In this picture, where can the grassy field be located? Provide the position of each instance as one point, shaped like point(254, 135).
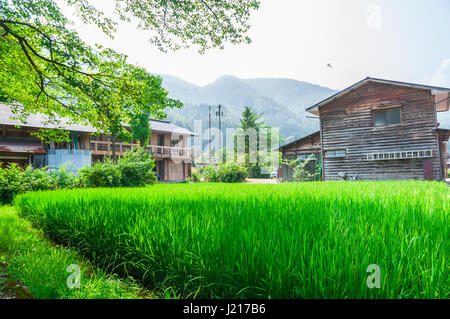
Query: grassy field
point(308, 240)
point(27, 256)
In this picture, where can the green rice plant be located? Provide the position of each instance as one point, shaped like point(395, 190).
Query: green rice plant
point(296, 240)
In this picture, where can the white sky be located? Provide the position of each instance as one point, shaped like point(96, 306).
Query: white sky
point(406, 41)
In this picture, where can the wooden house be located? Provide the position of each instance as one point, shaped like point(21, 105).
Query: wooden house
point(303, 148)
point(383, 130)
point(169, 146)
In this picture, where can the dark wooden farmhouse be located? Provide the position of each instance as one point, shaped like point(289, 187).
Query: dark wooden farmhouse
point(383, 130)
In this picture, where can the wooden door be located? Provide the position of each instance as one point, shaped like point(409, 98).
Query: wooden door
point(428, 173)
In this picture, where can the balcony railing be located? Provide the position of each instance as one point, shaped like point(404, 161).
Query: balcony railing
point(105, 148)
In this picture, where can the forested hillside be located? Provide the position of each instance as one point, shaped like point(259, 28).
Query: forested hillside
point(283, 102)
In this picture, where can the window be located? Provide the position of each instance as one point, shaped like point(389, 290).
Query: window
point(335, 154)
point(176, 142)
point(397, 155)
point(387, 117)
point(305, 156)
point(160, 139)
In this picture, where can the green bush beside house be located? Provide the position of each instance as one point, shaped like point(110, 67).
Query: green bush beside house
point(134, 169)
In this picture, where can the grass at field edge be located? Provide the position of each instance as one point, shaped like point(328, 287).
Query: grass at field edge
point(42, 266)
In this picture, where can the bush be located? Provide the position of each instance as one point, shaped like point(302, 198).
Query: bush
point(10, 183)
point(137, 168)
point(301, 173)
point(225, 173)
point(15, 180)
point(101, 175)
point(134, 169)
point(210, 174)
point(195, 176)
point(232, 173)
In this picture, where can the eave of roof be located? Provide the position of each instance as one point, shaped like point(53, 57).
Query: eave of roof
point(299, 140)
point(443, 130)
point(314, 109)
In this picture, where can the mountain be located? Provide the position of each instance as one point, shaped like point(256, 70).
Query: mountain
point(282, 102)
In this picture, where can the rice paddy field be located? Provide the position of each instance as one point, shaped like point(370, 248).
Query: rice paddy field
point(299, 240)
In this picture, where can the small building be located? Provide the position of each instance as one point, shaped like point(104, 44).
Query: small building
point(383, 130)
point(169, 146)
point(303, 148)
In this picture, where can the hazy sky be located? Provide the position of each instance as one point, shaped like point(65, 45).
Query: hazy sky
point(404, 40)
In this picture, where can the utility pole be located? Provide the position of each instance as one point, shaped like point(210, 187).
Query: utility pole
point(209, 131)
point(219, 113)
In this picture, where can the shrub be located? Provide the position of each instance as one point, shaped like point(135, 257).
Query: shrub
point(134, 169)
point(195, 176)
point(137, 168)
point(300, 169)
point(232, 173)
point(10, 183)
point(15, 180)
point(101, 175)
point(225, 173)
point(210, 174)
point(64, 178)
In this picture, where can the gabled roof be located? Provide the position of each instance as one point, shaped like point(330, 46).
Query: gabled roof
point(434, 89)
point(166, 126)
point(299, 140)
point(38, 121)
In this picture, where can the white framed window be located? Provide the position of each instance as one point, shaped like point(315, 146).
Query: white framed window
point(399, 155)
point(335, 154)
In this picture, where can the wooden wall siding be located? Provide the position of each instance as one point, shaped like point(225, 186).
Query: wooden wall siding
point(347, 123)
point(306, 145)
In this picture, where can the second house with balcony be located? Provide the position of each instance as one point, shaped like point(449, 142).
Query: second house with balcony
point(169, 146)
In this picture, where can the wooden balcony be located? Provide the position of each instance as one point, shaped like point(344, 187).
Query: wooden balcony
point(105, 148)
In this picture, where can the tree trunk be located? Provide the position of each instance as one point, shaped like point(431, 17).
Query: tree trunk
point(114, 150)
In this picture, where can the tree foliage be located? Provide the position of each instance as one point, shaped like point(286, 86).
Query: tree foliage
point(46, 67)
point(300, 170)
point(252, 121)
point(140, 128)
point(175, 24)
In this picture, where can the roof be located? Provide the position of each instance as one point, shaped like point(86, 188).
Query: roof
point(299, 140)
point(435, 89)
point(444, 131)
point(166, 126)
point(38, 121)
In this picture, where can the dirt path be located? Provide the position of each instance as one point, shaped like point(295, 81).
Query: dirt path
point(261, 181)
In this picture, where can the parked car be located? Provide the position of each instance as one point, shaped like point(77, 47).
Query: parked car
point(274, 174)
